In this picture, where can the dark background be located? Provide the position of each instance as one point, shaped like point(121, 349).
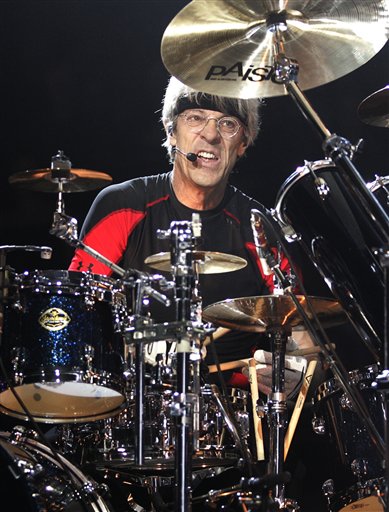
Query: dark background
point(87, 77)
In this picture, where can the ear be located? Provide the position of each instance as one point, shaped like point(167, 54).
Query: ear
point(170, 135)
point(242, 149)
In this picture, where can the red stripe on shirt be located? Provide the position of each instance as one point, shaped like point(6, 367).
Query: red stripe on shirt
point(116, 226)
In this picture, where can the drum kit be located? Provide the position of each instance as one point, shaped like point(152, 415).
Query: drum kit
point(73, 343)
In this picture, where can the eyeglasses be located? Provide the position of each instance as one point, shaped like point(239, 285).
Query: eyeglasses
point(227, 126)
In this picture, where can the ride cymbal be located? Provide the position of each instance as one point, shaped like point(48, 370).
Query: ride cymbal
point(227, 47)
point(206, 262)
point(74, 180)
point(374, 109)
point(256, 314)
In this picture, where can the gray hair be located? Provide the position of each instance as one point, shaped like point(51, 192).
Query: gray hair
point(247, 110)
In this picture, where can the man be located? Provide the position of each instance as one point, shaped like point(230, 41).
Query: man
point(205, 136)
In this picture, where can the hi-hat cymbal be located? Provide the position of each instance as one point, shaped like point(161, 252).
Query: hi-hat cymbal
point(206, 262)
point(374, 109)
point(256, 314)
point(76, 180)
point(226, 47)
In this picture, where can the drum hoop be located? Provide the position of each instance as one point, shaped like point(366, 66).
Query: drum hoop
point(299, 173)
point(331, 386)
point(73, 281)
point(78, 478)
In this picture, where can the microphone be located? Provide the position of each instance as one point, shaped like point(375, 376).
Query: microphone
point(261, 242)
point(192, 157)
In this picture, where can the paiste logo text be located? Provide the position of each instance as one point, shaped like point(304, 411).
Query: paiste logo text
point(237, 72)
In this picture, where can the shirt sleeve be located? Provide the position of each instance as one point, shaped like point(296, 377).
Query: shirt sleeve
point(107, 227)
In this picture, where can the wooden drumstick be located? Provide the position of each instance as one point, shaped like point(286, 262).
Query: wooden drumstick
point(299, 405)
point(229, 365)
point(220, 331)
point(254, 400)
point(309, 350)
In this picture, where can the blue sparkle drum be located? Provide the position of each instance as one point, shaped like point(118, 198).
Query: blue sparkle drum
point(62, 348)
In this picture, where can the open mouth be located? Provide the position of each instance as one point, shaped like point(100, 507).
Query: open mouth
point(205, 155)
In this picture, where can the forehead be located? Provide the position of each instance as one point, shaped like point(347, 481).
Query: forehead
point(206, 112)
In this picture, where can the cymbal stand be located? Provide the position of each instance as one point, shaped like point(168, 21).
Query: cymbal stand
point(285, 286)
point(275, 407)
point(183, 238)
point(341, 152)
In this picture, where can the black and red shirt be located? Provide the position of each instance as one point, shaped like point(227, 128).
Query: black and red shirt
point(123, 223)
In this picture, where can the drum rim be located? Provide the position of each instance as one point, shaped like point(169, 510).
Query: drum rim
point(71, 282)
point(331, 386)
point(290, 181)
point(29, 446)
point(71, 275)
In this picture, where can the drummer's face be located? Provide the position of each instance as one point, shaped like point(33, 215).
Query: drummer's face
point(216, 153)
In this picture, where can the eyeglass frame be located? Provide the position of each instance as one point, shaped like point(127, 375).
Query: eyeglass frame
point(208, 118)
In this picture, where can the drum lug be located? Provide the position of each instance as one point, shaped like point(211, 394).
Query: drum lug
point(318, 425)
point(89, 353)
point(18, 359)
point(360, 467)
point(345, 403)
point(328, 488)
point(89, 300)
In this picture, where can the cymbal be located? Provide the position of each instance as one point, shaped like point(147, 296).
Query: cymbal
point(42, 180)
point(256, 314)
point(374, 109)
point(226, 48)
point(206, 262)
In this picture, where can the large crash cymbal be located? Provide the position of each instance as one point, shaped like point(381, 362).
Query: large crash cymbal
point(206, 262)
point(75, 180)
point(225, 47)
point(374, 109)
point(256, 314)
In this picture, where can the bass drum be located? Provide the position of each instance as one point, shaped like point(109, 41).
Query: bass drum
point(333, 228)
point(35, 481)
point(62, 347)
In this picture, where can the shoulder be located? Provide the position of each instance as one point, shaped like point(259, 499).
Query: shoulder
point(143, 186)
point(243, 202)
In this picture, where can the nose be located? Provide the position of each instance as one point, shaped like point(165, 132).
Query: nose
point(210, 130)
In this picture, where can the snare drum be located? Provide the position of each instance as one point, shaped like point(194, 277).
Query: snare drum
point(62, 347)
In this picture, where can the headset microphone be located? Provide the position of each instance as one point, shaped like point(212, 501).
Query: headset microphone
point(192, 157)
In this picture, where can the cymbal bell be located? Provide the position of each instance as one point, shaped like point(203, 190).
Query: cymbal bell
point(256, 314)
point(227, 47)
point(374, 109)
point(75, 180)
point(206, 262)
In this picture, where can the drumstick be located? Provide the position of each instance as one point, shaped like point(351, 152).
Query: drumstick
point(299, 405)
point(229, 365)
point(256, 418)
point(220, 331)
point(308, 351)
